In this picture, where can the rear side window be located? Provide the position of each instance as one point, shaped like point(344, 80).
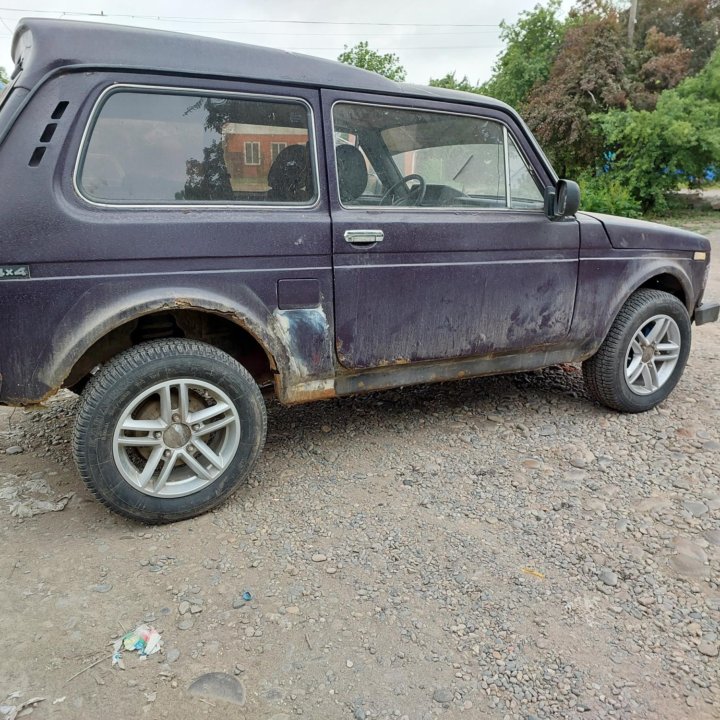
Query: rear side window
point(163, 147)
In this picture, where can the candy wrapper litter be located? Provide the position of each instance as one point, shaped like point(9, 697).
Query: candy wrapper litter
point(144, 638)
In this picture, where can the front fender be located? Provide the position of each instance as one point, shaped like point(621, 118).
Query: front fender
point(606, 283)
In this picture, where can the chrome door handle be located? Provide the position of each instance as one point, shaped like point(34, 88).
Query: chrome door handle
point(364, 237)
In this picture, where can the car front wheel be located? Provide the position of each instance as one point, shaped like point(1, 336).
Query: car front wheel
point(644, 354)
point(168, 430)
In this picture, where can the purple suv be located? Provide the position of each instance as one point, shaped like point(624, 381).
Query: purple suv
point(188, 221)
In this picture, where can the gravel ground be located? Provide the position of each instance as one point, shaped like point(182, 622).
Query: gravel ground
point(495, 548)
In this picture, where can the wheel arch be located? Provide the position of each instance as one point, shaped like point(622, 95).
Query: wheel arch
point(97, 328)
point(670, 279)
point(674, 284)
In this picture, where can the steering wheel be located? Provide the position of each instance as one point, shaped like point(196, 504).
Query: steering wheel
point(414, 196)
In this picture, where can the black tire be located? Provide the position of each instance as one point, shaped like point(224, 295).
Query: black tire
point(105, 402)
point(604, 373)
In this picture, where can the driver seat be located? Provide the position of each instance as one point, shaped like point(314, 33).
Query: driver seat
point(352, 172)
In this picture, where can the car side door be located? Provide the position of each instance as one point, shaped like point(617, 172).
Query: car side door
point(472, 268)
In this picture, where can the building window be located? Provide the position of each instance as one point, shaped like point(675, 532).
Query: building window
point(275, 149)
point(252, 153)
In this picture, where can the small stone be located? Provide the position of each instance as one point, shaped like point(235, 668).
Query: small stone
point(326, 428)
point(292, 610)
point(195, 609)
point(14, 450)
point(684, 546)
point(173, 655)
point(186, 623)
point(687, 566)
point(646, 600)
point(694, 629)
point(682, 483)
point(102, 588)
point(608, 577)
point(652, 504)
point(713, 537)
point(349, 663)
point(319, 557)
point(218, 686)
point(443, 695)
point(249, 631)
point(331, 570)
point(709, 649)
point(531, 464)
point(695, 508)
point(579, 463)
point(238, 602)
point(183, 607)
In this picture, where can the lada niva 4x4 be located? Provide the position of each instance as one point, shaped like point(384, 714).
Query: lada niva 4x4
point(188, 222)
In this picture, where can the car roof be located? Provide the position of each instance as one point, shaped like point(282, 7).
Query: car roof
point(42, 45)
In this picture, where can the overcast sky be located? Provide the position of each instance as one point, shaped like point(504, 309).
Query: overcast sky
point(430, 37)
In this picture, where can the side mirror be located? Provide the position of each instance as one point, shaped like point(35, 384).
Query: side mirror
point(563, 200)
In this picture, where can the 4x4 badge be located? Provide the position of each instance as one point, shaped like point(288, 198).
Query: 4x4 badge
point(14, 271)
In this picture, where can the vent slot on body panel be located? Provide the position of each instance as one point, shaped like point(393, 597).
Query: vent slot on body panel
point(59, 110)
point(47, 133)
point(37, 156)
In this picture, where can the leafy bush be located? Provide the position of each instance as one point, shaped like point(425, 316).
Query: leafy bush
point(671, 146)
point(606, 193)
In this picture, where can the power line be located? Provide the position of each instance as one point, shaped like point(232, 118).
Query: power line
point(182, 18)
point(363, 35)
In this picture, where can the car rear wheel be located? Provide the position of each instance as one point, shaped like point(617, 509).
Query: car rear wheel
point(644, 354)
point(168, 430)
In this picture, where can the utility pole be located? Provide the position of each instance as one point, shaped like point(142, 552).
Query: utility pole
point(631, 21)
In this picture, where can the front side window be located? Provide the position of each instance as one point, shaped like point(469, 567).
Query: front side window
point(152, 147)
point(398, 156)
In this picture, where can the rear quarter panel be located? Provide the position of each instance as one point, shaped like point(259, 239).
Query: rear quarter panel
point(91, 266)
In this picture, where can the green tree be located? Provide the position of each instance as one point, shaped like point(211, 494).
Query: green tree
point(452, 83)
point(588, 76)
point(531, 45)
point(676, 143)
point(3, 76)
point(362, 56)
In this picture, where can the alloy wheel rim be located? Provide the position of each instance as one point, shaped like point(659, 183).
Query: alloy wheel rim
point(176, 437)
point(652, 355)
